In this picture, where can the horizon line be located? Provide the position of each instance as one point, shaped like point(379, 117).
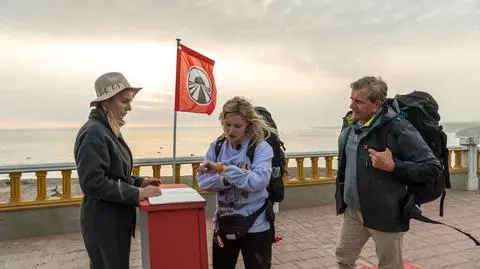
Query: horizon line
point(77, 128)
point(183, 126)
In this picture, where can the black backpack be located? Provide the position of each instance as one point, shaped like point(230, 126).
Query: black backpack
point(421, 110)
point(275, 187)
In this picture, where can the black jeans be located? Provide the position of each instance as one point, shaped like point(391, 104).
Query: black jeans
point(256, 251)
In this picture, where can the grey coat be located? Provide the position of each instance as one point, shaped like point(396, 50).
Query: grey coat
point(108, 216)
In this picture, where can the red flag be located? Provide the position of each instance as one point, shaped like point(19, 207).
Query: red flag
point(195, 89)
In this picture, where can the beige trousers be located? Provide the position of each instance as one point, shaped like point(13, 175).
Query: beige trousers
point(353, 237)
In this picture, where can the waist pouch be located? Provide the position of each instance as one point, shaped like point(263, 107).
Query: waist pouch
point(236, 226)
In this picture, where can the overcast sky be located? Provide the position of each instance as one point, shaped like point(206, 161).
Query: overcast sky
point(295, 57)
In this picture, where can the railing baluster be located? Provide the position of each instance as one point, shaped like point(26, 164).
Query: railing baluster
point(177, 173)
point(300, 175)
point(449, 159)
point(286, 176)
point(156, 170)
point(314, 167)
point(41, 185)
point(67, 184)
point(329, 166)
point(195, 166)
point(458, 159)
point(478, 161)
point(136, 170)
point(15, 194)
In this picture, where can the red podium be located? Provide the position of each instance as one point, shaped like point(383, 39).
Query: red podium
point(173, 229)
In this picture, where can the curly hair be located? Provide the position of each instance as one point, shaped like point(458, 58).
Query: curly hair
point(257, 128)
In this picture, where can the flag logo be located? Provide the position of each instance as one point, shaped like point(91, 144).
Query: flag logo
point(195, 90)
point(199, 86)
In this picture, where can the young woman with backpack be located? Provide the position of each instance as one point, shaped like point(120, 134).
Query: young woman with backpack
point(241, 219)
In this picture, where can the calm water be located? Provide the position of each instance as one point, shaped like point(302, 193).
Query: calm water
point(53, 146)
point(49, 146)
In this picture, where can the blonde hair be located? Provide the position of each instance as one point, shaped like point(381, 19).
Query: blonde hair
point(114, 124)
point(112, 121)
point(256, 128)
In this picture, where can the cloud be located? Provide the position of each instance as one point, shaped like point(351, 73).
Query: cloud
point(296, 56)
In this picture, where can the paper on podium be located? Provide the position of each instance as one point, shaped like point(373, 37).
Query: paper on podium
point(175, 196)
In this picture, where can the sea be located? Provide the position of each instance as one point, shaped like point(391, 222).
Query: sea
point(29, 146)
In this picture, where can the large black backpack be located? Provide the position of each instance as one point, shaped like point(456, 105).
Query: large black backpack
point(421, 110)
point(275, 187)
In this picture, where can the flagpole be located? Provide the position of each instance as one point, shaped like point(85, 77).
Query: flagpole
point(175, 129)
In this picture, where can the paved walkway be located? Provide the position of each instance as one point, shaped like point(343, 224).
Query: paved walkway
point(309, 241)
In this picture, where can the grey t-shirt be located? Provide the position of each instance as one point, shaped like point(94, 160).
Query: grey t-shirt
point(350, 194)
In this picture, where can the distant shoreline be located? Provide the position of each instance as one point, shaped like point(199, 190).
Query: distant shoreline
point(126, 128)
point(450, 124)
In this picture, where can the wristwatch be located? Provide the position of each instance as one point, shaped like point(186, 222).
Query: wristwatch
point(219, 167)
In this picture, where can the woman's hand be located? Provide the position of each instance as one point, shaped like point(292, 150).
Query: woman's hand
point(151, 181)
point(149, 191)
point(207, 167)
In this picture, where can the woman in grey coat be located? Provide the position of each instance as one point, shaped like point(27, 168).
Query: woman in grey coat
point(104, 165)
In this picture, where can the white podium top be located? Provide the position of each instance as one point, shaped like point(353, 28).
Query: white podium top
point(176, 196)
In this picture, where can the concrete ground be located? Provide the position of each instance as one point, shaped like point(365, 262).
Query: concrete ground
point(309, 237)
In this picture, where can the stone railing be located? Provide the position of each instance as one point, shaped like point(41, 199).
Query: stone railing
point(299, 173)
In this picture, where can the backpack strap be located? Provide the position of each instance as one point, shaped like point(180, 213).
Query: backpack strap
point(446, 172)
point(252, 218)
point(392, 132)
point(251, 151)
point(445, 163)
point(222, 139)
point(428, 220)
point(442, 202)
point(282, 145)
point(413, 212)
point(218, 145)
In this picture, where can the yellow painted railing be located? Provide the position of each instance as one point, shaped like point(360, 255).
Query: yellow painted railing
point(299, 174)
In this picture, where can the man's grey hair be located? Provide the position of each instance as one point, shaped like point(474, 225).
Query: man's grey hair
point(377, 86)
